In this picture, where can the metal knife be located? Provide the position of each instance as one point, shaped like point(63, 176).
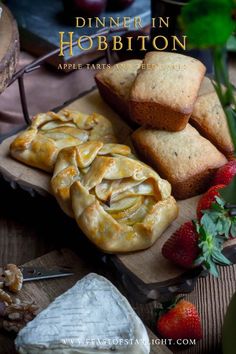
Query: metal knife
point(41, 273)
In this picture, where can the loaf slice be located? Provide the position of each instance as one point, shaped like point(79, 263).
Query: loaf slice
point(115, 83)
point(186, 159)
point(165, 90)
point(210, 120)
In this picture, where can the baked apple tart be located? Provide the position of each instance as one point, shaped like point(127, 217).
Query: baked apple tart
point(39, 144)
point(120, 203)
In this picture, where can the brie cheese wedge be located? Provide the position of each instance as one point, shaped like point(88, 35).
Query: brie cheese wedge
point(92, 317)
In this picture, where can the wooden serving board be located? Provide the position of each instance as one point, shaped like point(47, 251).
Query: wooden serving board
point(147, 275)
point(44, 292)
point(9, 47)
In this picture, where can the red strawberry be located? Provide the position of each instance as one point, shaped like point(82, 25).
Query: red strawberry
point(207, 199)
point(225, 174)
point(181, 321)
point(182, 246)
point(192, 245)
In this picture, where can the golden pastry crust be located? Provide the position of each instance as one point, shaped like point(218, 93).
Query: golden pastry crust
point(120, 203)
point(39, 144)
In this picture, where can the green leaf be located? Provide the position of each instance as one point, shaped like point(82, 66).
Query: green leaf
point(210, 246)
point(215, 206)
point(214, 214)
point(164, 307)
point(217, 221)
point(231, 119)
point(220, 201)
point(219, 258)
point(218, 90)
point(220, 226)
point(208, 223)
point(211, 267)
point(226, 225)
point(208, 23)
point(229, 193)
point(233, 229)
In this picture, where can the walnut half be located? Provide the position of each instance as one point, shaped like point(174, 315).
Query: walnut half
point(13, 278)
point(17, 315)
point(5, 297)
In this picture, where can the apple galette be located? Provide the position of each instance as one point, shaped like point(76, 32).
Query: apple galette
point(120, 203)
point(39, 144)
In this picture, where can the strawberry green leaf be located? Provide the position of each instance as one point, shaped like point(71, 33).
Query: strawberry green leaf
point(209, 223)
point(216, 207)
point(166, 306)
point(211, 267)
point(213, 213)
point(217, 220)
point(219, 201)
point(210, 246)
point(220, 226)
point(219, 258)
point(226, 225)
point(233, 229)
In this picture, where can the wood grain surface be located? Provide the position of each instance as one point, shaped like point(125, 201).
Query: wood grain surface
point(9, 47)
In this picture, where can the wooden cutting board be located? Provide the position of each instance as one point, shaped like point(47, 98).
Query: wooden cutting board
point(44, 292)
point(9, 46)
point(147, 275)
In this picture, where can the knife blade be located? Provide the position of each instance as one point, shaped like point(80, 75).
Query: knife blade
point(41, 273)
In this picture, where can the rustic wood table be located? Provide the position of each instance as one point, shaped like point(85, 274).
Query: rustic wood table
point(29, 228)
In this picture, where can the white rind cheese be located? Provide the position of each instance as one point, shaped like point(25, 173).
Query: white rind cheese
point(92, 317)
